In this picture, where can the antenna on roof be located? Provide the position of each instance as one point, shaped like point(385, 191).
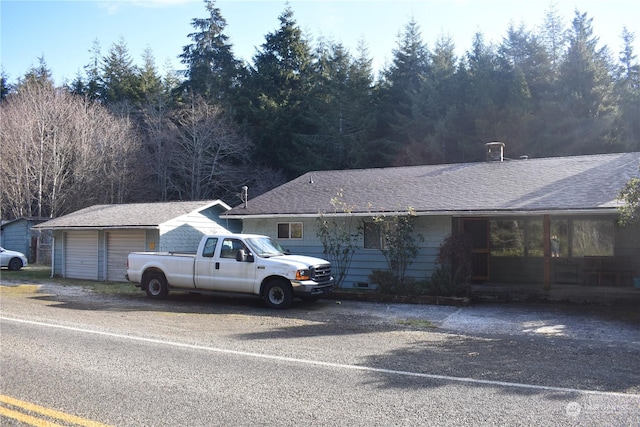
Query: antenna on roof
point(244, 196)
point(310, 179)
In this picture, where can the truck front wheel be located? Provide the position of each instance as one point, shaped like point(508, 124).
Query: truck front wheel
point(155, 284)
point(278, 294)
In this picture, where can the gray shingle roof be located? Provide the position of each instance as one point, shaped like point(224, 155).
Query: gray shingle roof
point(127, 215)
point(556, 183)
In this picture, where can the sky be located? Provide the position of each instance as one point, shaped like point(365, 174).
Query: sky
point(64, 32)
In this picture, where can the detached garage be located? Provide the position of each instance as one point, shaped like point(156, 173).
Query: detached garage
point(93, 243)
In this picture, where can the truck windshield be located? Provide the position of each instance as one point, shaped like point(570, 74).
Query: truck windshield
point(264, 247)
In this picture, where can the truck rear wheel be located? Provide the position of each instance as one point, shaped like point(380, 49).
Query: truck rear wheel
point(278, 294)
point(155, 284)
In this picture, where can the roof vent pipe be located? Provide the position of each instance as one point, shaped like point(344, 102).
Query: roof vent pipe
point(245, 195)
point(495, 151)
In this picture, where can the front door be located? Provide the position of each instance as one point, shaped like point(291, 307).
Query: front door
point(478, 230)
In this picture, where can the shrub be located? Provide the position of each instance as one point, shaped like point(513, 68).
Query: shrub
point(454, 269)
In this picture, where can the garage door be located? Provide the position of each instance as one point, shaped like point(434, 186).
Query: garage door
point(81, 255)
point(119, 245)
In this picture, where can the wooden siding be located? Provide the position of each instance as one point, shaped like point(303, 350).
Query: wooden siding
point(183, 234)
point(16, 237)
point(434, 229)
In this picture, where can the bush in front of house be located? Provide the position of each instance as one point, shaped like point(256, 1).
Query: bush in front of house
point(453, 270)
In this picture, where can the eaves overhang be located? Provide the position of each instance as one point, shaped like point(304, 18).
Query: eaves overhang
point(99, 228)
point(454, 213)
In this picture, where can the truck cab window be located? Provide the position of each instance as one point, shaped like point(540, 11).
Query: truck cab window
point(209, 247)
point(230, 247)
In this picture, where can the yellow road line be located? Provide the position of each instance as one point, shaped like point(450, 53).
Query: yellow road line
point(52, 413)
point(27, 419)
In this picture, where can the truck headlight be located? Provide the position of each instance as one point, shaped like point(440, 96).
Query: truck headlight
point(303, 275)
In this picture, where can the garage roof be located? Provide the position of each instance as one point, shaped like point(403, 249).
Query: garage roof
point(132, 215)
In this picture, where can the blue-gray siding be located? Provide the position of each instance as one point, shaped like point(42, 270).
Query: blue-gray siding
point(434, 230)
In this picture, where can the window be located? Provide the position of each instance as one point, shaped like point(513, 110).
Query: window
point(559, 245)
point(517, 238)
point(230, 247)
point(568, 238)
point(592, 237)
point(507, 238)
point(375, 234)
point(290, 230)
point(209, 247)
point(372, 236)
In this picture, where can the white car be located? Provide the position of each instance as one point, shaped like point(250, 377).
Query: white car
point(12, 260)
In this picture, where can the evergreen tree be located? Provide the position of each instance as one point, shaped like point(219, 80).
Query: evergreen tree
point(586, 88)
point(405, 85)
point(212, 70)
point(485, 96)
point(340, 107)
point(628, 95)
point(39, 75)
point(554, 38)
point(445, 98)
point(276, 98)
point(120, 79)
point(150, 81)
point(4, 86)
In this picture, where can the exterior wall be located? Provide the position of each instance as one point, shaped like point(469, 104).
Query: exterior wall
point(434, 230)
point(57, 256)
point(17, 236)
point(183, 234)
point(628, 244)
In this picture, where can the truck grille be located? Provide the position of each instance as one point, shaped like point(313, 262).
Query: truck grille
point(321, 273)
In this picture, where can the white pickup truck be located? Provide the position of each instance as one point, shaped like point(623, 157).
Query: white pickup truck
point(238, 263)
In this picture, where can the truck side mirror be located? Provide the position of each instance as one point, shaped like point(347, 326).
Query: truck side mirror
point(242, 256)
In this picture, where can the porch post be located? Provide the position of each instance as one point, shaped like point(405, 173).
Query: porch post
point(546, 238)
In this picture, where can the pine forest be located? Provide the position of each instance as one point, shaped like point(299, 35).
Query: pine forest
point(123, 132)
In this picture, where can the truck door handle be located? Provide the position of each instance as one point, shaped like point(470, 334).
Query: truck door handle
point(217, 266)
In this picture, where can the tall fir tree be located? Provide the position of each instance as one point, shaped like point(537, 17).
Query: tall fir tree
point(120, 81)
point(628, 95)
point(212, 70)
point(405, 85)
point(276, 98)
point(586, 87)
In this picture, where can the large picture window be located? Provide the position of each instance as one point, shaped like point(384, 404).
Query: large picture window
point(517, 238)
point(568, 237)
point(290, 230)
point(592, 237)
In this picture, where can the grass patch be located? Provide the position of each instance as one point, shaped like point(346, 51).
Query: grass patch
point(111, 288)
point(31, 273)
point(19, 290)
point(418, 323)
point(38, 274)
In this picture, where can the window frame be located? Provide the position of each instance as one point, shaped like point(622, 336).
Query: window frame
point(290, 230)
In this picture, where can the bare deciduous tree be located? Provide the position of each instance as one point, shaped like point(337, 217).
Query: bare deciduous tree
point(62, 152)
point(211, 160)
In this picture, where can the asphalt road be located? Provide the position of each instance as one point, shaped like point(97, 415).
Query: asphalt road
point(209, 361)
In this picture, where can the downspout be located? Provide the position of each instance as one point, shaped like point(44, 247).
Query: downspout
point(53, 257)
point(546, 238)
